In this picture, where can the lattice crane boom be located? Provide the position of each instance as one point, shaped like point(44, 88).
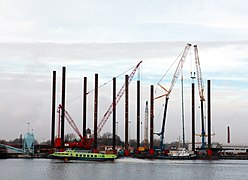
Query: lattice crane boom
point(199, 74)
point(118, 97)
point(176, 73)
point(71, 122)
point(146, 126)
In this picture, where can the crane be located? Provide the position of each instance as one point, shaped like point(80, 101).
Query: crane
point(84, 142)
point(71, 122)
point(118, 97)
point(87, 142)
point(201, 93)
point(146, 126)
point(167, 92)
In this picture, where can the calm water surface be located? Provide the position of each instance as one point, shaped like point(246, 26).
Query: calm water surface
point(126, 168)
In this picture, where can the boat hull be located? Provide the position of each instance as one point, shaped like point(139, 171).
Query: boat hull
point(175, 157)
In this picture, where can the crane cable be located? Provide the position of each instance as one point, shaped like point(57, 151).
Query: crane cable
point(110, 80)
point(159, 115)
point(167, 71)
point(76, 97)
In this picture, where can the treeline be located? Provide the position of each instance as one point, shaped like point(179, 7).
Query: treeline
point(105, 140)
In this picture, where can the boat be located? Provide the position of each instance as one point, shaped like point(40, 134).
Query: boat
point(181, 153)
point(177, 153)
point(83, 156)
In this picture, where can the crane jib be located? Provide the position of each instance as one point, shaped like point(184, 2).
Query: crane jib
point(176, 73)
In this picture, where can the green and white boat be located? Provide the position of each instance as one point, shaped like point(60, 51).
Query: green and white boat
point(83, 156)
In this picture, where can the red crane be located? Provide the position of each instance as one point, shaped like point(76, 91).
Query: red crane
point(146, 126)
point(118, 97)
point(84, 142)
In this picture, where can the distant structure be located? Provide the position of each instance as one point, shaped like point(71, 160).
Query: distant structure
point(228, 134)
point(28, 143)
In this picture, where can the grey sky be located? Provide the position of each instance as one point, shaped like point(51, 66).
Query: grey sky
point(118, 21)
point(37, 37)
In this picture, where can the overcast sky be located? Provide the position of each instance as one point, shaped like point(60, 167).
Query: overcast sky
point(110, 37)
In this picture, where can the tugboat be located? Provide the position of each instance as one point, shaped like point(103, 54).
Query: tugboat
point(83, 156)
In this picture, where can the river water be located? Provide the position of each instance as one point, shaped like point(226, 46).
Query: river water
point(125, 168)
